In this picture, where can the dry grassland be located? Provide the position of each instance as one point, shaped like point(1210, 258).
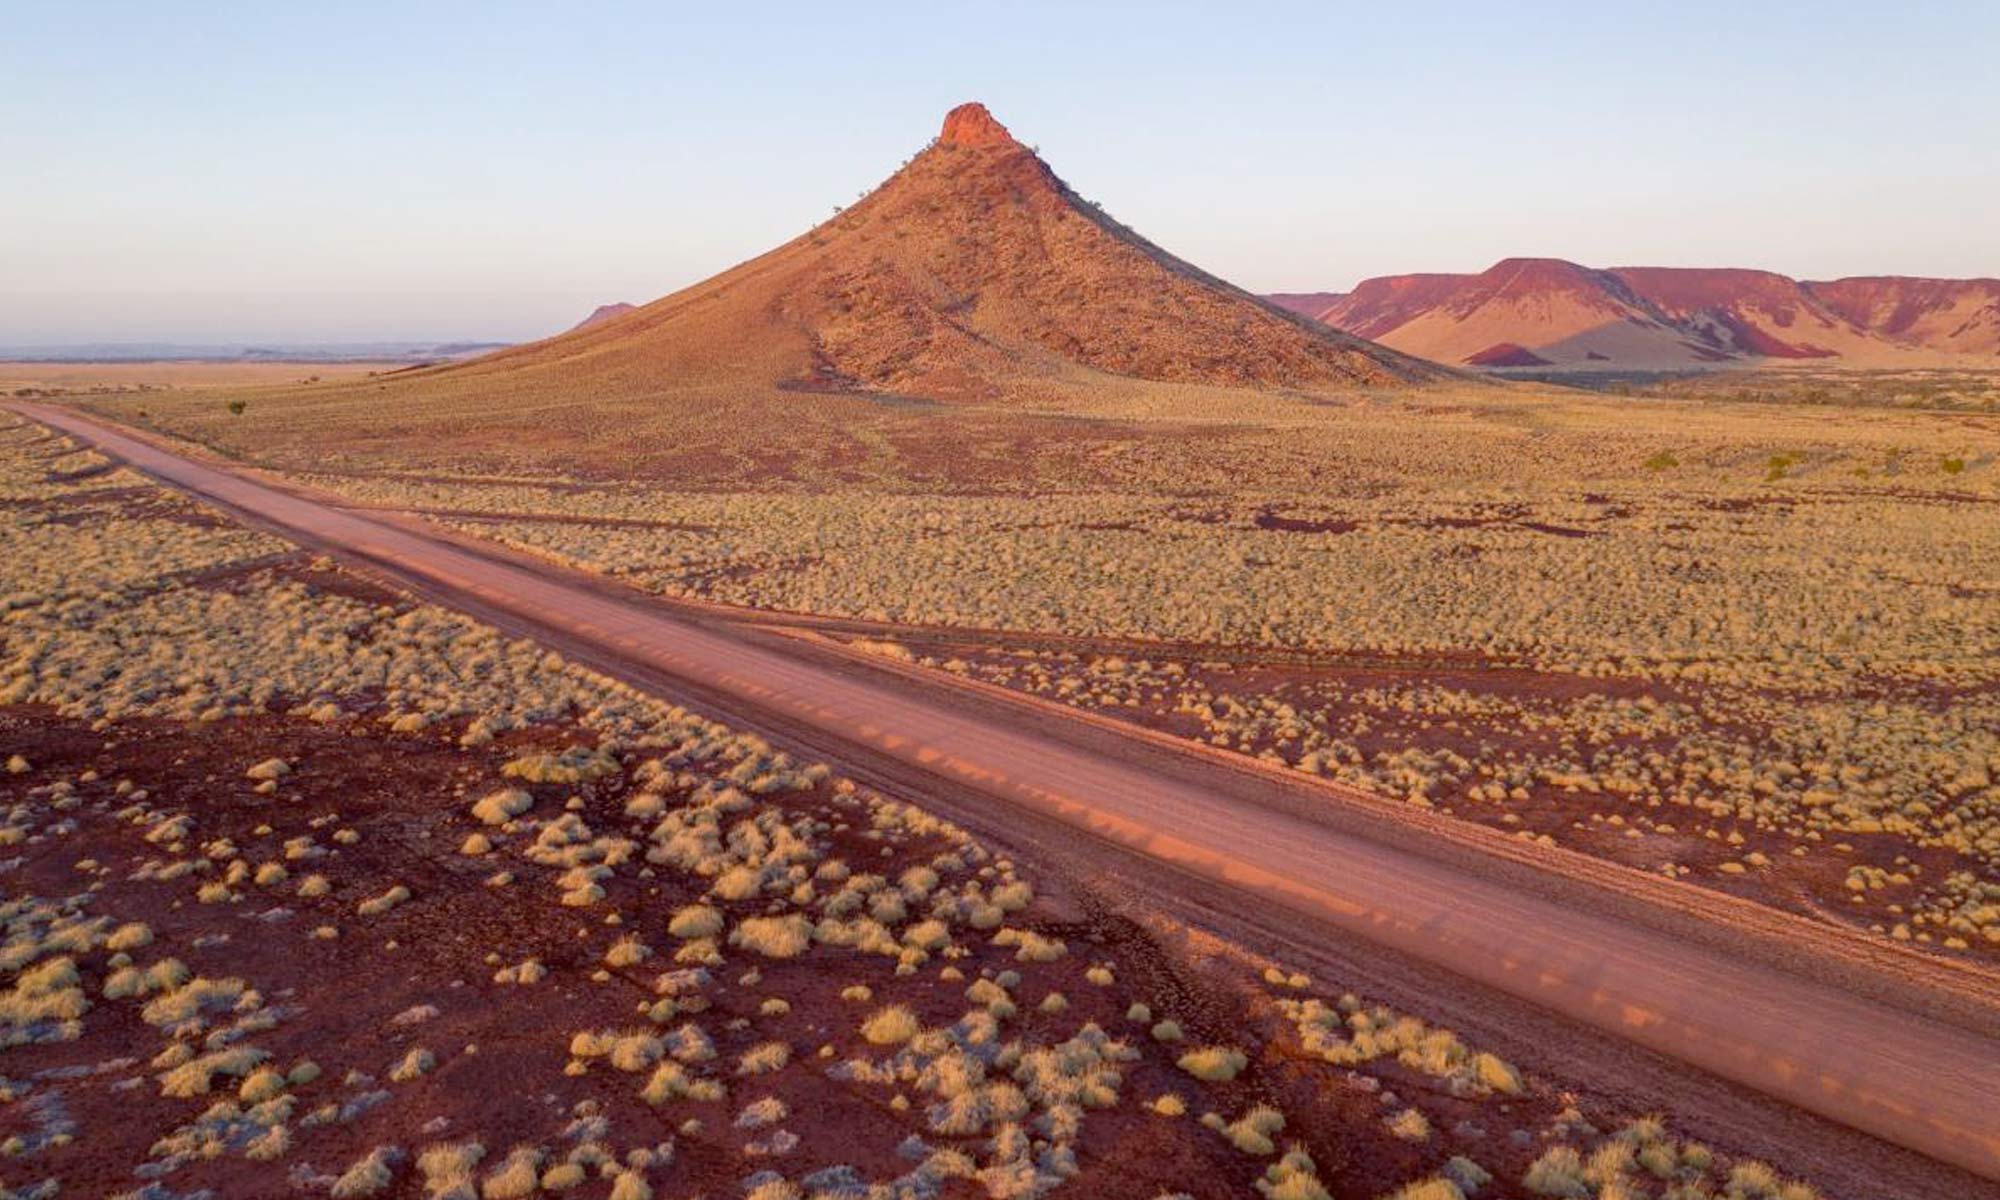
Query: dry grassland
point(69, 378)
point(1753, 646)
point(309, 889)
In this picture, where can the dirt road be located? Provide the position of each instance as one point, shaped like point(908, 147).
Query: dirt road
point(1926, 1084)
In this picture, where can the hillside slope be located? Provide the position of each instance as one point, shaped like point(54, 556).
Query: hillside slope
point(1961, 316)
point(971, 268)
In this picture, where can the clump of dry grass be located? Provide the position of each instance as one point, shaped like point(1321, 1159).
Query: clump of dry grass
point(1031, 946)
point(1250, 1133)
point(576, 764)
point(377, 905)
point(773, 937)
point(1377, 1032)
point(890, 1026)
point(1214, 1064)
point(368, 1175)
point(498, 808)
point(417, 1063)
point(1296, 1177)
point(447, 1168)
point(696, 921)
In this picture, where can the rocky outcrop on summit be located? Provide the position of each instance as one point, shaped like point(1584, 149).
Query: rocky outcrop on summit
point(972, 125)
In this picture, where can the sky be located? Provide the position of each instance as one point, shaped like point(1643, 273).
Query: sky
point(222, 172)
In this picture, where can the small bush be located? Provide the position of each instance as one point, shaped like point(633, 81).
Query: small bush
point(384, 902)
point(627, 952)
point(562, 1177)
point(262, 1084)
point(1031, 946)
point(1437, 1187)
point(630, 1185)
point(417, 1063)
point(369, 1175)
point(891, 1026)
point(764, 1058)
point(739, 882)
point(671, 1081)
point(1294, 1177)
point(517, 1177)
point(500, 807)
point(695, 921)
point(196, 1076)
point(773, 937)
point(129, 936)
point(577, 764)
point(447, 1168)
point(1250, 1133)
point(528, 970)
point(1410, 1125)
point(1558, 1172)
point(1496, 1073)
point(269, 770)
point(1214, 1064)
point(1468, 1175)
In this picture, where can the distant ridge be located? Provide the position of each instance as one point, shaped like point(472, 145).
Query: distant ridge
point(1306, 304)
point(301, 352)
point(971, 273)
point(603, 313)
point(1551, 313)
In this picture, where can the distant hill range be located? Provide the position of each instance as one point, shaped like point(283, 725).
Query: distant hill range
point(299, 352)
point(1548, 314)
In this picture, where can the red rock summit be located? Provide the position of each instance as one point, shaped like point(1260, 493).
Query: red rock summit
point(971, 125)
point(973, 273)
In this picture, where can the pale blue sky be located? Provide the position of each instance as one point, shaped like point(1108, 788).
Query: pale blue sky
point(425, 170)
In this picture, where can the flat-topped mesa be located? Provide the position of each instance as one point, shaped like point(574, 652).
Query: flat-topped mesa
point(971, 125)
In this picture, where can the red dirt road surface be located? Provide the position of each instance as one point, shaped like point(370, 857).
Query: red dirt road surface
point(1927, 1084)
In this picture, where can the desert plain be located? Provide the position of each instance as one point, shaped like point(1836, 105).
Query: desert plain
point(318, 883)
